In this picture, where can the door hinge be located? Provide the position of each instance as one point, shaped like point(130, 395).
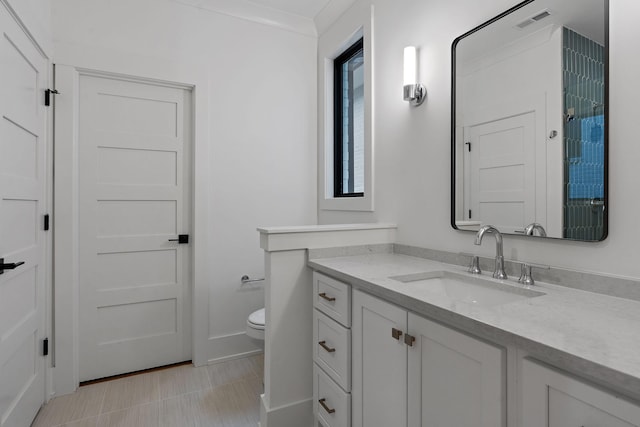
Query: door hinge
point(45, 347)
point(469, 213)
point(468, 144)
point(47, 96)
point(46, 222)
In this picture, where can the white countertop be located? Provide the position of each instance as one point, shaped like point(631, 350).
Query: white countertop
point(595, 335)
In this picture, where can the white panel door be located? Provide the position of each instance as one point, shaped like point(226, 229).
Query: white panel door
point(379, 364)
point(23, 77)
point(454, 379)
point(502, 172)
point(134, 192)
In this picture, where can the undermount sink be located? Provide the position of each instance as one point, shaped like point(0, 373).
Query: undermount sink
point(465, 288)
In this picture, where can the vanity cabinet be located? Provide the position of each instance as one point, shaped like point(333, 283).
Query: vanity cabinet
point(554, 399)
point(331, 352)
point(408, 370)
point(379, 365)
point(379, 382)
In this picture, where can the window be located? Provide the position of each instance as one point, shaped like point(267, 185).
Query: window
point(349, 135)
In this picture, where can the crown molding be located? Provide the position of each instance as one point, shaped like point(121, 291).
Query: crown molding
point(246, 10)
point(330, 14)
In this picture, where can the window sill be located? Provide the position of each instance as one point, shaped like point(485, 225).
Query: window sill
point(362, 204)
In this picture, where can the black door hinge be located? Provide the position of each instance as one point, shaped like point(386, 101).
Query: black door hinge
point(46, 222)
point(45, 347)
point(468, 144)
point(469, 213)
point(47, 96)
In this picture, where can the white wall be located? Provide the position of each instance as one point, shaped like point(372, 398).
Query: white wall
point(262, 108)
point(412, 146)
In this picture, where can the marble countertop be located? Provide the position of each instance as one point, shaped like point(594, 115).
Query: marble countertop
point(595, 336)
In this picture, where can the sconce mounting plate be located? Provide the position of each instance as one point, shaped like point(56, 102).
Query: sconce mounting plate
point(415, 94)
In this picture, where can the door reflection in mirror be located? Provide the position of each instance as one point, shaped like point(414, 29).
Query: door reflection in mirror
point(529, 130)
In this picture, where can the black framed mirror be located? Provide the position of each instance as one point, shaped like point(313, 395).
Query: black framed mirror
point(529, 121)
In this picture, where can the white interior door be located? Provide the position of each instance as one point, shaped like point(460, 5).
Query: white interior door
point(502, 172)
point(23, 75)
point(134, 192)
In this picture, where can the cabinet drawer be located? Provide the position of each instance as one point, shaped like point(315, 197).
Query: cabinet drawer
point(566, 401)
point(331, 404)
point(333, 298)
point(332, 349)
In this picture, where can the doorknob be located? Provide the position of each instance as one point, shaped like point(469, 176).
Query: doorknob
point(182, 239)
point(9, 266)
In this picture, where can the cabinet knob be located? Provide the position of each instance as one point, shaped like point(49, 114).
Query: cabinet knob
point(324, 345)
point(323, 295)
point(324, 405)
point(409, 340)
point(396, 333)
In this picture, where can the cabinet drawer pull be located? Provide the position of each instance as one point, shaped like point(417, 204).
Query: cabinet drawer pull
point(409, 340)
point(326, 408)
point(323, 344)
point(396, 333)
point(323, 295)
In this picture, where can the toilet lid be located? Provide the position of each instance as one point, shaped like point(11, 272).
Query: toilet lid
point(257, 317)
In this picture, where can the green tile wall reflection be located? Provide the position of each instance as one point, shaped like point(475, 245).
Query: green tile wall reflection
point(583, 75)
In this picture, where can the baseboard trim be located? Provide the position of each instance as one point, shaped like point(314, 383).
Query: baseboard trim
point(229, 347)
point(234, 357)
point(296, 414)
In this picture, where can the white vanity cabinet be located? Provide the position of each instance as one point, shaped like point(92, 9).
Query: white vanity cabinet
point(379, 364)
point(410, 371)
point(331, 352)
point(554, 399)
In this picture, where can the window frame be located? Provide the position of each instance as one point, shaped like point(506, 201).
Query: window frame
point(356, 23)
point(338, 110)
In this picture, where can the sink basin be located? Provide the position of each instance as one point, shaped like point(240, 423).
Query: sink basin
point(465, 288)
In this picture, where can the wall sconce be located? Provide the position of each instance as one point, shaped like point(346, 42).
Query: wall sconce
point(414, 92)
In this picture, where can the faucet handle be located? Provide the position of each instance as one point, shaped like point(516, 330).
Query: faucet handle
point(525, 272)
point(474, 265)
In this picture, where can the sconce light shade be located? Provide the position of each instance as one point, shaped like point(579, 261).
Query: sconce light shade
point(414, 92)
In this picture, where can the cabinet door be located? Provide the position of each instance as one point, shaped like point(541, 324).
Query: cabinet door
point(454, 379)
point(379, 365)
point(552, 399)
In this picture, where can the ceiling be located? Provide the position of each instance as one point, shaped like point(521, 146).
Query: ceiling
point(306, 8)
point(586, 17)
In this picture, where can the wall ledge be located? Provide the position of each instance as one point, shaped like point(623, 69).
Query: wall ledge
point(274, 239)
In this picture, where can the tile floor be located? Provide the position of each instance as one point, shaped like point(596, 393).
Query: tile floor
point(221, 395)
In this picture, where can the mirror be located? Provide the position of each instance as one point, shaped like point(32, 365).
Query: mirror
point(529, 121)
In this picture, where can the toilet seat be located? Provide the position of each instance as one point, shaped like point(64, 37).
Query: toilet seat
point(255, 324)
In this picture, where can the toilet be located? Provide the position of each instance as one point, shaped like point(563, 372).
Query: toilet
point(255, 324)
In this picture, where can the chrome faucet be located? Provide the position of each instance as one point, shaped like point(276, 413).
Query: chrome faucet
point(531, 228)
point(498, 272)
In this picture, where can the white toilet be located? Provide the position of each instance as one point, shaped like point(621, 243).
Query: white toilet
point(255, 324)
